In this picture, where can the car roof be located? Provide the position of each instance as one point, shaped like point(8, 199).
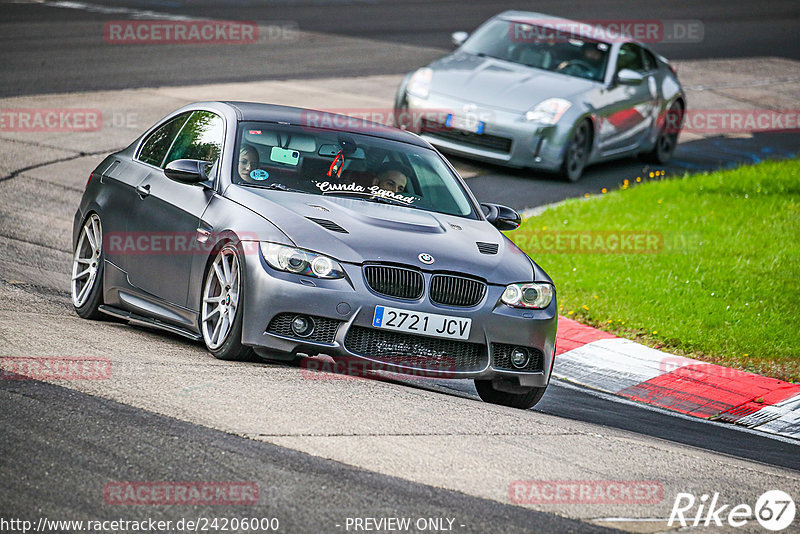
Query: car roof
point(583, 29)
point(253, 111)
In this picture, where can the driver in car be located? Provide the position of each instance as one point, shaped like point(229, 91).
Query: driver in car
point(589, 64)
point(392, 176)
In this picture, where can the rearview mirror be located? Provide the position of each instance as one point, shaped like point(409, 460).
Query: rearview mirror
point(629, 77)
point(502, 217)
point(189, 171)
point(458, 38)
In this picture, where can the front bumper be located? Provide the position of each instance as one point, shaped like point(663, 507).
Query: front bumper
point(507, 138)
point(343, 310)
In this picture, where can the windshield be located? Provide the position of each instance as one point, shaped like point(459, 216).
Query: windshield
point(326, 162)
point(542, 47)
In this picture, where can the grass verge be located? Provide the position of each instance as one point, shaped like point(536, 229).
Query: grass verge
point(710, 267)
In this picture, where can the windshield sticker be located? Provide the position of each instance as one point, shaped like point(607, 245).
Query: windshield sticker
point(372, 191)
point(259, 174)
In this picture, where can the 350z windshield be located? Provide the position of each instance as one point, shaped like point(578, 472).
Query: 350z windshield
point(326, 162)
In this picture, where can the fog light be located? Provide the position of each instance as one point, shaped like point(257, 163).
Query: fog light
point(520, 357)
point(302, 326)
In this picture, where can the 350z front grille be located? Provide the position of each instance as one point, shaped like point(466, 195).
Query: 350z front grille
point(456, 290)
point(416, 352)
point(395, 281)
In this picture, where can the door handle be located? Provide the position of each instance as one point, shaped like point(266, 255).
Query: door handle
point(143, 190)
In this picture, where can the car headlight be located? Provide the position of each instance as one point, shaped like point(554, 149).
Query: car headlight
point(299, 261)
point(529, 295)
point(420, 83)
point(549, 111)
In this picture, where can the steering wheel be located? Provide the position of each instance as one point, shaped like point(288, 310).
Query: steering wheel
point(580, 65)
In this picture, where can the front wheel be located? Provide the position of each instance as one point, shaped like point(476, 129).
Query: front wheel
point(577, 152)
point(505, 393)
point(87, 270)
point(220, 313)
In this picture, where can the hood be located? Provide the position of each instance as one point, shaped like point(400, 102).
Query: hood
point(501, 84)
point(355, 231)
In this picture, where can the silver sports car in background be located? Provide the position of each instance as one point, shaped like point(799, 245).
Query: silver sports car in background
point(531, 90)
point(259, 228)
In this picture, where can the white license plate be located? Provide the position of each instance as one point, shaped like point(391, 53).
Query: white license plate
point(428, 324)
point(468, 124)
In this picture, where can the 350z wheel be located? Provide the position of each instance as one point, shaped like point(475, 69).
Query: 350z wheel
point(87, 269)
point(220, 313)
point(577, 151)
point(667, 140)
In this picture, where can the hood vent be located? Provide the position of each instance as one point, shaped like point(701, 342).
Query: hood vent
point(328, 225)
point(487, 248)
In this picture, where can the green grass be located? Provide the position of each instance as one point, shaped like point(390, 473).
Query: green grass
point(725, 286)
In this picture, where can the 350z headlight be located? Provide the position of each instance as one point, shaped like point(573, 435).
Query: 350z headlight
point(299, 261)
point(549, 111)
point(529, 295)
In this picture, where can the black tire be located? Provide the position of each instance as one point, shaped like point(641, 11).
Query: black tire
point(523, 400)
point(88, 307)
point(577, 151)
point(231, 349)
point(667, 140)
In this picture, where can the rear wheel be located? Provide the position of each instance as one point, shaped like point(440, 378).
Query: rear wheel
point(220, 313)
point(87, 270)
point(667, 140)
point(509, 393)
point(577, 152)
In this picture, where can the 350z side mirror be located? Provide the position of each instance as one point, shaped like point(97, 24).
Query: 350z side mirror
point(458, 38)
point(629, 77)
point(502, 217)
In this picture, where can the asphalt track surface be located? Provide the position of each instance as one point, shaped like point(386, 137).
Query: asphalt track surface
point(60, 446)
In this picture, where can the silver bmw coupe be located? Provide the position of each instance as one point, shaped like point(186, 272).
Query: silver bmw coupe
point(532, 90)
point(279, 231)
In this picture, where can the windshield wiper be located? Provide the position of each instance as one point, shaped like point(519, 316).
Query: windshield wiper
point(279, 187)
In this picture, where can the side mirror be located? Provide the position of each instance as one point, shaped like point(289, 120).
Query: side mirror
point(188, 171)
point(629, 77)
point(458, 38)
point(502, 217)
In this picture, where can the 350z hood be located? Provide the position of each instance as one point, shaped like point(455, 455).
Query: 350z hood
point(501, 84)
point(356, 231)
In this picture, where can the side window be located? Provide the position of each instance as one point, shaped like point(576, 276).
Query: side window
point(650, 63)
point(630, 58)
point(201, 138)
point(156, 145)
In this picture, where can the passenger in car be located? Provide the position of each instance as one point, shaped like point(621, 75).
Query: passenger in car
point(248, 161)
